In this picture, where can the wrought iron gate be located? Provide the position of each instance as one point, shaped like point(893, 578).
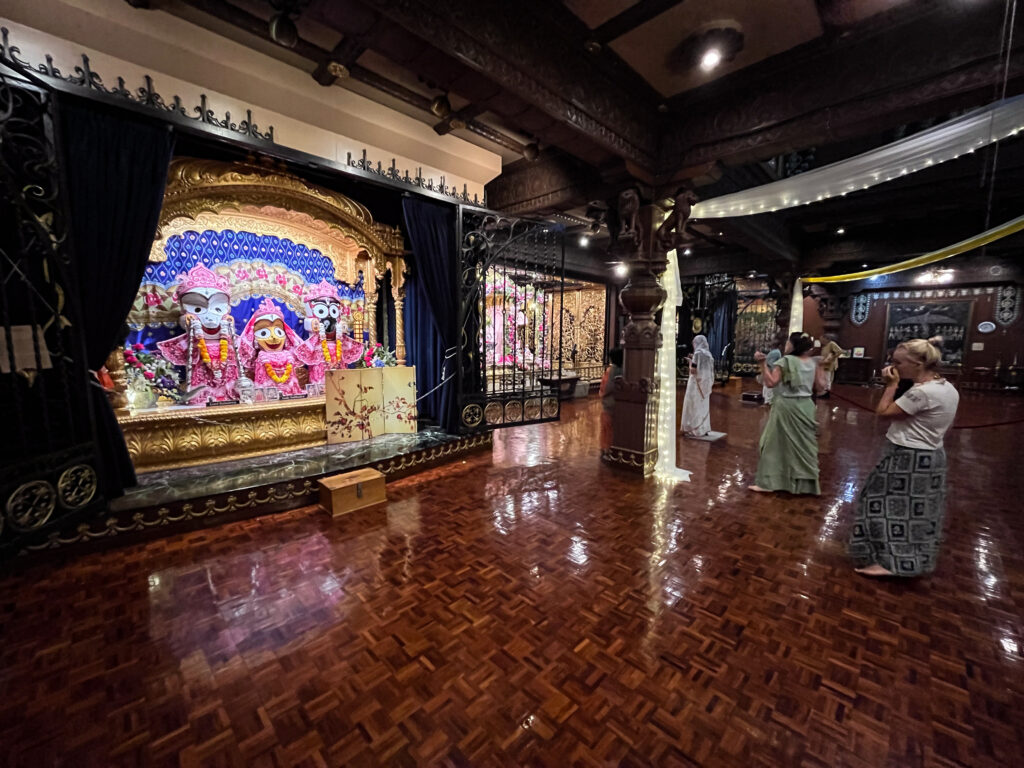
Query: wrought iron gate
point(756, 330)
point(511, 320)
point(47, 455)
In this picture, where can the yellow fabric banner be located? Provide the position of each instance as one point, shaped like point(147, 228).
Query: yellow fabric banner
point(996, 233)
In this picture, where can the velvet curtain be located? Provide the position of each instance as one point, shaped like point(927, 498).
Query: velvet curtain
point(115, 168)
point(723, 324)
point(432, 307)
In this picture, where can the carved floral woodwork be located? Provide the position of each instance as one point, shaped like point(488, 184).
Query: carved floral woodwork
point(168, 439)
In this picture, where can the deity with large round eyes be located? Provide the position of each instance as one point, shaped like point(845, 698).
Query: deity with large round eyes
point(329, 346)
point(207, 348)
point(268, 346)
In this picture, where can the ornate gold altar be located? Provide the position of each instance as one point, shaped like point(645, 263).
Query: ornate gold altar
point(204, 196)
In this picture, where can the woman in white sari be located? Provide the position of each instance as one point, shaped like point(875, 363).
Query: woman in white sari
point(696, 418)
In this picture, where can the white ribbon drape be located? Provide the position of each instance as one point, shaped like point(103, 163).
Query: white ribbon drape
point(666, 369)
point(922, 150)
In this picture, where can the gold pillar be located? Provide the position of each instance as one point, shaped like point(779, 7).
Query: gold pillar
point(370, 317)
point(400, 327)
point(115, 367)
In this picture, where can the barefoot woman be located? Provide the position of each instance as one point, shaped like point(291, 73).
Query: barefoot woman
point(899, 519)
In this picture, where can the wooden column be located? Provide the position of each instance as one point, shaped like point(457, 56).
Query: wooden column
point(370, 317)
point(635, 418)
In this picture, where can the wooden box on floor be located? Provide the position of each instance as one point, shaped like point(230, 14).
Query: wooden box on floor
point(341, 494)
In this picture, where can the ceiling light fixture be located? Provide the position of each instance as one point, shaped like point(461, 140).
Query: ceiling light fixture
point(621, 270)
point(841, 231)
point(711, 59)
point(688, 252)
point(584, 241)
point(531, 151)
point(440, 106)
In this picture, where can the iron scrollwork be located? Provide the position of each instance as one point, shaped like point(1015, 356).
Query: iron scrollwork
point(85, 77)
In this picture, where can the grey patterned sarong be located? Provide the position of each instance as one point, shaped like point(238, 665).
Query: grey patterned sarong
point(899, 517)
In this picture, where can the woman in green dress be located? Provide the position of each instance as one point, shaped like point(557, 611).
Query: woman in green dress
point(789, 442)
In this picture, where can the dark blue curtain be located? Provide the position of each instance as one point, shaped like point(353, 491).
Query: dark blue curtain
point(432, 306)
point(115, 173)
point(723, 323)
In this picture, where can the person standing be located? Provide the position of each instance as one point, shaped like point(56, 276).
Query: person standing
point(789, 443)
point(830, 354)
point(607, 395)
point(898, 526)
point(696, 417)
point(771, 360)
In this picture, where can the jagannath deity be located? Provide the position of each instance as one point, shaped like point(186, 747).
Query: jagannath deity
point(207, 348)
point(270, 348)
point(329, 346)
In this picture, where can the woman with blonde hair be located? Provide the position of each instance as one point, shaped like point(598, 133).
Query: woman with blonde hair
point(789, 443)
point(898, 525)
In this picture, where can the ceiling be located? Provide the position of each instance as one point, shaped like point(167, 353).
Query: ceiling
point(598, 87)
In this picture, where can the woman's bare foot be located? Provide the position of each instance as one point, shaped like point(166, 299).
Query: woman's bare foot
point(758, 489)
point(873, 570)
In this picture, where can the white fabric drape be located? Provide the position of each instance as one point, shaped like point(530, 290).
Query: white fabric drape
point(696, 416)
point(665, 367)
point(796, 307)
point(922, 150)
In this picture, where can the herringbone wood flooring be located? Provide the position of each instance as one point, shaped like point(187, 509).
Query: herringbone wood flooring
point(537, 608)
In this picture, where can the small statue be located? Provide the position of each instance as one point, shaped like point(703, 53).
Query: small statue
point(268, 346)
point(672, 232)
point(207, 348)
point(629, 219)
point(329, 346)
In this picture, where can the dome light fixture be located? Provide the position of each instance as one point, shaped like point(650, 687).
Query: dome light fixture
point(712, 58)
point(707, 48)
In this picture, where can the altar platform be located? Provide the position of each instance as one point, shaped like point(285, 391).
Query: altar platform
point(188, 498)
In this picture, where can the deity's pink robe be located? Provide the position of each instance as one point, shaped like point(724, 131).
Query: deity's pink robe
point(224, 388)
point(311, 352)
point(279, 362)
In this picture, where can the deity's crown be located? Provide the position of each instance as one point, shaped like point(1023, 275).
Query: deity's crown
point(267, 309)
point(322, 290)
point(200, 277)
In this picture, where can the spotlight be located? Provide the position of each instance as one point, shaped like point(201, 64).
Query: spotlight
point(621, 270)
point(688, 252)
point(711, 59)
point(584, 241)
point(440, 106)
point(863, 266)
point(283, 30)
point(841, 231)
point(531, 152)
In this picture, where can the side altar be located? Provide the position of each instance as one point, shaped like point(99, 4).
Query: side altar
point(259, 287)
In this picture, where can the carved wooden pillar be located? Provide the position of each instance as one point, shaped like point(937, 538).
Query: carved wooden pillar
point(635, 418)
point(400, 325)
point(115, 367)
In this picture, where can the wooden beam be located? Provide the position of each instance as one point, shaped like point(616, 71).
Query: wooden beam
point(631, 18)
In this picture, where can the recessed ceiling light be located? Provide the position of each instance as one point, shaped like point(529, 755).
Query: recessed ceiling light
point(688, 252)
point(712, 58)
point(840, 231)
point(863, 266)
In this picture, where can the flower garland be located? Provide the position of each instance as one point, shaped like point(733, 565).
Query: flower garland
point(204, 353)
point(327, 351)
point(273, 374)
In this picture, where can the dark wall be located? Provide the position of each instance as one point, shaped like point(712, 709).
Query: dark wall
point(1001, 345)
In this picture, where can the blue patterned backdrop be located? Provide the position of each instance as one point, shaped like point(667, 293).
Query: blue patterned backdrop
point(228, 248)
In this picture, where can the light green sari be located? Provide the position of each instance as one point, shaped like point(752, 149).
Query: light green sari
point(789, 443)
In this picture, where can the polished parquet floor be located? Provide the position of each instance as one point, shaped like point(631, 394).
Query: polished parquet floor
point(533, 607)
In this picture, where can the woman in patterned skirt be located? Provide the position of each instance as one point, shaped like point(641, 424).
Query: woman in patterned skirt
point(899, 518)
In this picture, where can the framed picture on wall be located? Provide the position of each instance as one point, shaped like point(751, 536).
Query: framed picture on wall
point(951, 320)
point(858, 351)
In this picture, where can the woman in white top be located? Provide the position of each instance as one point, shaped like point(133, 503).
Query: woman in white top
point(899, 519)
point(696, 417)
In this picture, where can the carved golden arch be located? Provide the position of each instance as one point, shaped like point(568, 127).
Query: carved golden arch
point(273, 202)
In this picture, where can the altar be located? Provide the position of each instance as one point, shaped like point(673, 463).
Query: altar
point(260, 288)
